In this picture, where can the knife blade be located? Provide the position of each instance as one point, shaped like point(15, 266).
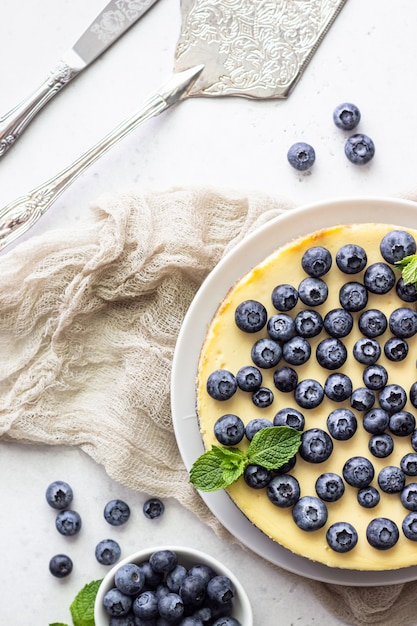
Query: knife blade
point(109, 25)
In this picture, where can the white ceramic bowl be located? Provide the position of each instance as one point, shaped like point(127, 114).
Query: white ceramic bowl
point(186, 557)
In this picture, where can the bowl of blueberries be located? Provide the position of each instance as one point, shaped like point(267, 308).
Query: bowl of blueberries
point(171, 586)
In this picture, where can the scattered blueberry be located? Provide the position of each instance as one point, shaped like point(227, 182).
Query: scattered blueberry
point(331, 353)
point(408, 464)
point(362, 399)
point(372, 323)
point(375, 377)
point(308, 323)
point(396, 245)
point(266, 353)
point(316, 261)
point(129, 579)
point(249, 378)
point(256, 476)
point(263, 397)
point(229, 429)
point(359, 149)
point(313, 291)
point(358, 471)
point(281, 327)
point(351, 258)
point(366, 350)
point(338, 387)
point(330, 487)
point(290, 417)
point(117, 603)
point(407, 292)
point(342, 424)
point(381, 445)
point(396, 349)
point(409, 497)
point(60, 565)
point(338, 323)
point(353, 296)
point(250, 316)
point(382, 533)
point(316, 445)
point(287, 467)
point(368, 497)
point(375, 421)
point(409, 526)
point(402, 423)
point(153, 508)
point(379, 278)
point(346, 116)
point(310, 513)
point(341, 537)
point(284, 297)
point(116, 512)
point(296, 351)
point(392, 398)
point(68, 522)
point(413, 440)
point(309, 393)
point(283, 490)
point(413, 394)
point(59, 495)
point(221, 385)
point(301, 156)
point(107, 552)
point(256, 424)
point(285, 379)
point(403, 322)
point(391, 479)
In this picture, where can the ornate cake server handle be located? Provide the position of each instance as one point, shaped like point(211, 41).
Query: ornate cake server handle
point(18, 216)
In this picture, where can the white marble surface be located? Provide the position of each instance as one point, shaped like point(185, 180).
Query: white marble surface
point(368, 57)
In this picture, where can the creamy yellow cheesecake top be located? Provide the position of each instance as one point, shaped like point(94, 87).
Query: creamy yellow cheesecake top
point(352, 535)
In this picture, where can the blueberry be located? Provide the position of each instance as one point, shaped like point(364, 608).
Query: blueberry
point(266, 353)
point(353, 296)
point(392, 398)
point(413, 394)
point(379, 278)
point(375, 377)
point(342, 424)
point(407, 292)
point(362, 399)
point(301, 156)
point(366, 350)
point(409, 526)
point(358, 471)
point(202, 570)
point(263, 397)
point(351, 258)
point(250, 316)
point(396, 349)
point(283, 490)
point(381, 445)
point(346, 116)
point(163, 561)
point(171, 607)
point(152, 578)
point(409, 497)
point(413, 440)
point(116, 512)
point(175, 578)
point(341, 537)
point(249, 378)
point(190, 620)
point(331, 353)
point(338, 323)
point(368, 497)
point(229, 429)
point(316, 261)
point(193, 590)
point(296, 351)
point(396, 245)
point(153, 508)
point(408, 464)
point(403, 322)
point(59, 495)
point(391, 479)
point(256, 476)
point(308, 323)
point(285, 379)
point(372, 323)
point(256, 424)
point(402, 423)
point(290, 417)
point(338, 387)
point(313, 291)
point(284, 297)
point(221, 385)
point(117, 603)
point(375, 421)
point(220, 589)
point(107, 552)
point(287, 467)
point(310, 513)
point(145, 605)
point(330, 487)
point(129, 579)
point(281, 327)
point(382, 533)
point(309, 393)
point(60, 565)
point(359, 149)
point(227, 620)
point(316, 445)
point(68, 522)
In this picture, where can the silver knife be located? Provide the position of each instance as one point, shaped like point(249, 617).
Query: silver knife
point(115, 19)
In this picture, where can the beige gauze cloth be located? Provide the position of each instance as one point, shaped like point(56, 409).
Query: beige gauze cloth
point(88, 324)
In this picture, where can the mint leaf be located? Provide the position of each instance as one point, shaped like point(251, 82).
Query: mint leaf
point(408, 266)
point(82, 608)
point(272, 447)
point(58, 624)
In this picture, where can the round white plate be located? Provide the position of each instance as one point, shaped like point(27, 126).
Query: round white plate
point(240, 260)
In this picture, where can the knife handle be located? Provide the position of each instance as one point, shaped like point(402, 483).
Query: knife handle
point(15, 121)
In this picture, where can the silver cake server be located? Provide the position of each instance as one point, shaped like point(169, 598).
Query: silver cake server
point(115, 19)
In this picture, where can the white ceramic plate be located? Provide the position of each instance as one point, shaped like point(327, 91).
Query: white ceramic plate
point(240, 260)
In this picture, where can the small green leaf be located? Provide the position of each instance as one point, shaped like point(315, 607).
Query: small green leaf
point(82, 608)
point(217, 468)
point(58, 624)
point(408, 267)
point(272, 447)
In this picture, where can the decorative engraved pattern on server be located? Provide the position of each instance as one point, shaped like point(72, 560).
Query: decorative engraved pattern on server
point(113, 22)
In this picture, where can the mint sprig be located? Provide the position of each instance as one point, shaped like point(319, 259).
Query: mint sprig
point(408, 267)
point(220, 467)
point(82, 607)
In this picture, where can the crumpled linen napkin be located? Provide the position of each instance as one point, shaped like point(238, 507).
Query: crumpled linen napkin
point(88, 324)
